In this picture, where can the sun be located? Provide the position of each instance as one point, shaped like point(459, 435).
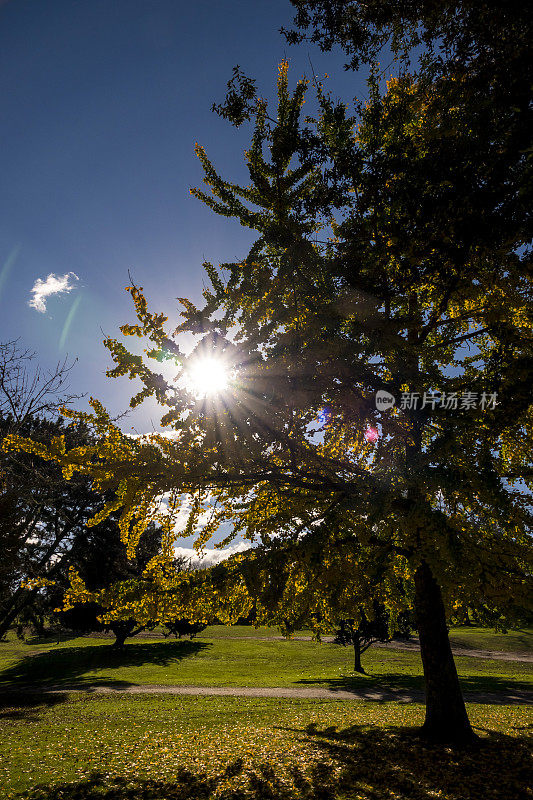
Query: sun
point(207, 377)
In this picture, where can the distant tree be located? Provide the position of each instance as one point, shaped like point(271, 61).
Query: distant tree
point(133, 595)
point(38, 517)
point(33, 617)
point(182, 627)
point(100, 559)
point(27, 392)
point(487, 615)
point(366, 631)
point(43, 515)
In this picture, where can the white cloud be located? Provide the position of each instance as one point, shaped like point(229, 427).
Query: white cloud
point(209, 557)
point(52, 284)
point(182, 515)
point(147, 437)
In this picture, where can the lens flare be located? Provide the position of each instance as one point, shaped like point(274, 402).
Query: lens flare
point(371, 434)
point(324, 416)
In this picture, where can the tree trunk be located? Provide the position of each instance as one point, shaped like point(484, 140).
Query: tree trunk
point(19, 600)
point(120, 638)
point(38, 624)
point(446, 717)
point(7, 621)
point(121, 631)
point(357, 654)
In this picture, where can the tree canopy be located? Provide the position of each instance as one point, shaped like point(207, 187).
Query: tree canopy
point(392, 257)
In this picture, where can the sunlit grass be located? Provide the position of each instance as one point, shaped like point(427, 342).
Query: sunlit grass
point(303, 743)
point(164, 747)
point(235, 662)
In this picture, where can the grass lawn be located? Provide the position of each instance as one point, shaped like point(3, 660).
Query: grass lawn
point(185, 748)
point(235, 662)
point(520, 641)
point(164, 747)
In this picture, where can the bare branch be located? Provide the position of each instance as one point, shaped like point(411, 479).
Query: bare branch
point(26, 390)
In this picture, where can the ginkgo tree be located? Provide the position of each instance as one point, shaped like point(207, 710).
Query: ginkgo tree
point(387, 267)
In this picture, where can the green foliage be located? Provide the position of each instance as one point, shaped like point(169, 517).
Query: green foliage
point(462, 33)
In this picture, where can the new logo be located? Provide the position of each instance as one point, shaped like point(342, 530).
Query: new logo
point(384, 400)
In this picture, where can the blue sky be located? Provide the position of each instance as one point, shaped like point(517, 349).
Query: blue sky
point(102, 104)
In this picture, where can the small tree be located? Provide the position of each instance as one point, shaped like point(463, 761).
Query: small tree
point(100, 560)
point(43, 516)
point(183, 627)
point(364, 632)
point(134, 596)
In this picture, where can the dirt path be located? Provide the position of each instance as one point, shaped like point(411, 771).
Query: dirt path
point(374, 694)
point(497, 655)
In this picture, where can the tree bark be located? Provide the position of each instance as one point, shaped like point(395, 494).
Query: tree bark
point(357, 653)
point(121, 631)
point(446, 717)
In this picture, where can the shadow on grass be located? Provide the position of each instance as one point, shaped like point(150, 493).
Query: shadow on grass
point(26, 706)
point(66, 666)
point(368, 763)
point(393, 683)
point(395, 686)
